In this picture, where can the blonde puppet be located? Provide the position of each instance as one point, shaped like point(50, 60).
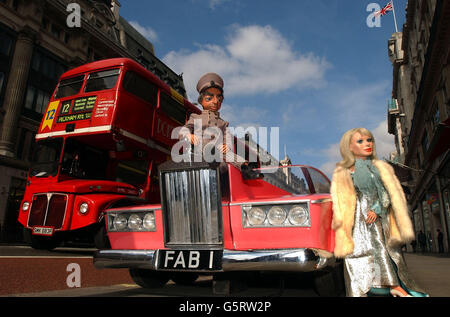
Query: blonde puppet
point(370, 220)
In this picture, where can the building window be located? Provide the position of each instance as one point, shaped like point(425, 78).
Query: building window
point(45, 24)
point(425, 142)
point(55, 31)
point(2, 79)
point(5, 44)
point(436, 116)
point(45, 70)
point(47, 66)
point(36, 99)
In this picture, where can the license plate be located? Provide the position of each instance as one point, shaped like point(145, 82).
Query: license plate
point(43, 231)
point(209, 260)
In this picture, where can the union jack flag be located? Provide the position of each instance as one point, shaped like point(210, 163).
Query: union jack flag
point(386, 8)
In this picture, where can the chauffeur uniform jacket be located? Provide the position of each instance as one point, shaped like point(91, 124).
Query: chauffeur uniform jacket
point(208, 119)
point(212, 119)
point(344, 205)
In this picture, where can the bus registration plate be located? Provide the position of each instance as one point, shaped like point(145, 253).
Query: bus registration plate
point(203, 260)
point(43, 231)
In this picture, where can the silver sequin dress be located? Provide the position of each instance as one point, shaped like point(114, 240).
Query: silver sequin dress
point(373, 264)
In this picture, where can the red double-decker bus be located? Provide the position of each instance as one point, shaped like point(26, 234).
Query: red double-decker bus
point(106, 128)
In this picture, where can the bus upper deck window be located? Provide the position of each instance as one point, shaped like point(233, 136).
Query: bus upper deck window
point(69, 87)
point(102, 80)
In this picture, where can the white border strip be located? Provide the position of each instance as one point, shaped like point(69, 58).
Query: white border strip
point(103, 128)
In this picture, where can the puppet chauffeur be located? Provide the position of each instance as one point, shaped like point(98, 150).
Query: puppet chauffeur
point(207, 130)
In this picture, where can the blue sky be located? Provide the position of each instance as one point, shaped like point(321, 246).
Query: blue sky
point(315, 69)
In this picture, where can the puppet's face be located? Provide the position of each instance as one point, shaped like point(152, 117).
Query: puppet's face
point(361, 146)
point(212, 99)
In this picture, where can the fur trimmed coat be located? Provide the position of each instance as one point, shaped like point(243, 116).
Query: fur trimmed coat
point(343, 194)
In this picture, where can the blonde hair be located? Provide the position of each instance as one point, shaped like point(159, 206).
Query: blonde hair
point(348, 159)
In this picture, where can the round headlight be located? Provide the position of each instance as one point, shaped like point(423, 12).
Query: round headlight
point(84, 208)
point(299, 216)
point(276, 216)
point(135, 222)
point(149, 221)
point(120, 222)
point(25, 206)
point(256, 216)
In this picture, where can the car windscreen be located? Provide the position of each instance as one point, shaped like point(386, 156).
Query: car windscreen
point(298, 180)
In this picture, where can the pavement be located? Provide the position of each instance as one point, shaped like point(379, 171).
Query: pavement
point(24, 273)
point(431, 271)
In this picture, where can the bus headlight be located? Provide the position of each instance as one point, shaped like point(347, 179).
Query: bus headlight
point(25, 206)
point(84, 208)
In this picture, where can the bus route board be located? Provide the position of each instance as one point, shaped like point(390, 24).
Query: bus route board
point(80, 110)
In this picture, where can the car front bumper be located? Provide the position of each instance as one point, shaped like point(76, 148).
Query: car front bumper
point(286, 260)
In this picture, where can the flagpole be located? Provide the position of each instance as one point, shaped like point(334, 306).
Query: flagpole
point(395, 19)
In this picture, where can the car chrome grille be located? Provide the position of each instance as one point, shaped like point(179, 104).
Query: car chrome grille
point(48, 210)
point(192, 207)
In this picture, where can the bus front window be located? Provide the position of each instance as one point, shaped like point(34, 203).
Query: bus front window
point(46, 158)
point(69, 87)
point(83, 161)
point(102, 80)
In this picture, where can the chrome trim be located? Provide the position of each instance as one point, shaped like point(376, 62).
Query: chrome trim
point(321, 201)
point(286, 260)
point(192, 207)
point(271, 202)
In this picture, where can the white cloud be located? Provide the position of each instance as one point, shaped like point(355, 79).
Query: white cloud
point(383, 140)
point(355, 105)
point(333, 156)
point(242, 116)
point(213, 4)
point(255, 59)
point(146, 31)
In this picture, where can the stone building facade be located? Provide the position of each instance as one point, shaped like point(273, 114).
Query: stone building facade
point(419, 115)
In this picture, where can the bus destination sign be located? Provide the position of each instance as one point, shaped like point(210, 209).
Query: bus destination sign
point(81, 110)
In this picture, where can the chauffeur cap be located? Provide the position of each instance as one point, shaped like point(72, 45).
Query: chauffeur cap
point(210, 80)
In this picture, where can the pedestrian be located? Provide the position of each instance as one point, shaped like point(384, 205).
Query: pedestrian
point(440, 238)
point(414, 245)
point(422, 241)
point(370, 220)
